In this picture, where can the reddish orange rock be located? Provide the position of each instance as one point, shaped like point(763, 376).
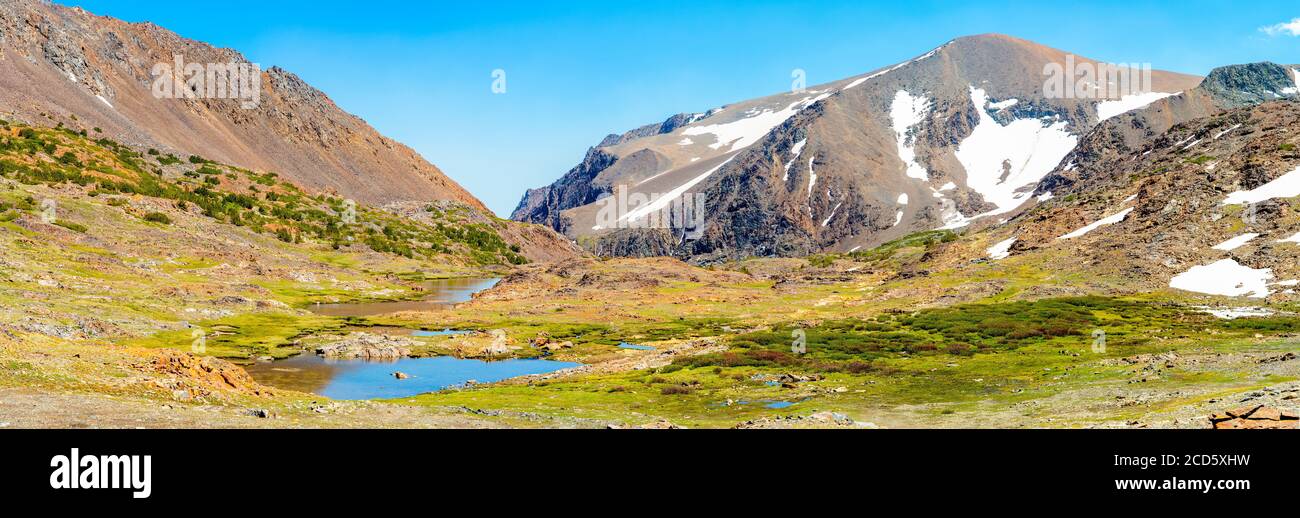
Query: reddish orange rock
point(1266, 414)
point(1256, 418)
point(1244, 411)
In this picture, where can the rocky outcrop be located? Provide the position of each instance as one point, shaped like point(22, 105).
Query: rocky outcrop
point(1235, 86)
point(668, 126)
point(648, 242)
point(1257, 417)
point(367, 346)
point(817, 420)
point(576, 188)
point(196, 377)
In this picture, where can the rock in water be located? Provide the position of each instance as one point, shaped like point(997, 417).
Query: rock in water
point(368, 346)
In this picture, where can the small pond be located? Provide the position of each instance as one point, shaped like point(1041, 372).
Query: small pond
point(362, 379)
point(438, 293)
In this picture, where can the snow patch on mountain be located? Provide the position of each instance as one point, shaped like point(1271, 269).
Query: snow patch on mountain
point(742, 133)
point(1235, 313)
point(1225, 132)
point(812, 176)
point(794, 155)
point(663, 201)
point(906, 112)
point(1293, 89)
point(1002, 105)
point(952, 218)
point(1236, 242)
point(1001, 250)
point(1109, 220)
point(1285, 186)
point(1128, 103)
point(835, 210)
point(1226, 277)
point(1001, 160)
point(860, 80)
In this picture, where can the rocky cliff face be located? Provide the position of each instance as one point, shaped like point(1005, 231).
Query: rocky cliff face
point(959, 136)
point(65, 65)
point(576, 188)
point(1247, 85)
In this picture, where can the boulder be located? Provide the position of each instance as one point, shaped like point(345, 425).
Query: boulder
point(1256, 417)
point(368, 346)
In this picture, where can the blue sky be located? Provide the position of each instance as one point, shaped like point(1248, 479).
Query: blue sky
point(421, 72)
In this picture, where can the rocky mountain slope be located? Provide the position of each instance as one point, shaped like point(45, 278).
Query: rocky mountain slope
point(959, 135)
point(1209, 206)
point(155, 186)
point(65, 65)
point(1225, 88)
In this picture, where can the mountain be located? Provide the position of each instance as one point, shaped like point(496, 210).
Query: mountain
point(958, 136)
point(65, 65)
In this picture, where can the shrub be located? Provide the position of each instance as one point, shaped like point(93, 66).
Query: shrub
point(283, 234)
point(75, 227)
point(821, 261)
point(157, 217)
point(67, 158)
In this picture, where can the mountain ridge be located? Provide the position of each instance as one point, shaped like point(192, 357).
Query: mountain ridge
point(65, 65)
